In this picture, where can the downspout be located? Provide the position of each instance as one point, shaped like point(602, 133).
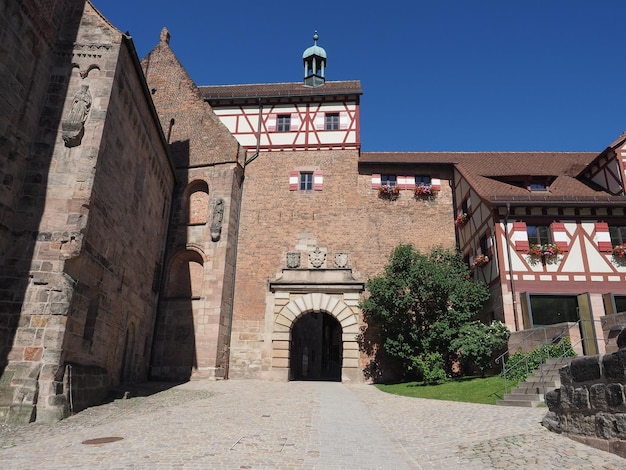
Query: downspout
point(508, 254)
point(234, 276)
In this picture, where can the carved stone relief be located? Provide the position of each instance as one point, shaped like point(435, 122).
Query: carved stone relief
point(341, 260)
point(218, 218)
point(317, 258)
point(293, 259)
point(73, 126)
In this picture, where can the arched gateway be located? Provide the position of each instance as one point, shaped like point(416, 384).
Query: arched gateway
point(333, 352)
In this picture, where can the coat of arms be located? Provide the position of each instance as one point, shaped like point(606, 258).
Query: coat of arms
point(317, 258)
point(341, 260)
point(293, 259)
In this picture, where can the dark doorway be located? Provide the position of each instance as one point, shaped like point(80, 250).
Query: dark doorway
point(316, 348)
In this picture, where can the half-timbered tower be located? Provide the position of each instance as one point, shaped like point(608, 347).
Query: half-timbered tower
point(312, 228)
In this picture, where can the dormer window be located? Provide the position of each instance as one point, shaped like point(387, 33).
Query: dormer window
point(538, 187)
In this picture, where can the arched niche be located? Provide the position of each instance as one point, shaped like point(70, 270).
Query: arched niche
point(185, 275)
point(196, 202)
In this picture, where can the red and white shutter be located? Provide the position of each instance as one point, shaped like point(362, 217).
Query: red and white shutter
point(603, 237)
point(320, 121)
point(410, 182)
point(294, 122)
point(271, 122)
point(375, 181)
point(520, 236)
point(294, 179)
point(402, 182)
point(435, 183)
point(559, 235)
point(344, 120)
point(318, 180)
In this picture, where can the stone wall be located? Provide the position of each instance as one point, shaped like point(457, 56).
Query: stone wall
point(95, 197)
point(590, 406)
point(193, 325)
point(36, 40)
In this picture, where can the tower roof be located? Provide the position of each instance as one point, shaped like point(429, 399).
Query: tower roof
point(314, 49)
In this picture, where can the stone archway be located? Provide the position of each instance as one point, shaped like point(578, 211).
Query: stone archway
point(316, 303)
point(316, 348)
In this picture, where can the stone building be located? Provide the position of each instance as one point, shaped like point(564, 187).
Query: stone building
point(153, 228)
point(87, 187)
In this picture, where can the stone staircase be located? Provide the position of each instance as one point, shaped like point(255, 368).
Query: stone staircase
point(531, 392)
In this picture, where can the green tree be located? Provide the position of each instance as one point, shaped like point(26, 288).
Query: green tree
point(418, 304)
point(477, 343)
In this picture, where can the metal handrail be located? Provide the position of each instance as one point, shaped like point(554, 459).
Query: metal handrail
point(506, 367)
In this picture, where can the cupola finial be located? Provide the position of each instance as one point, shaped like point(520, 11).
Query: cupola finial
point(314, 64)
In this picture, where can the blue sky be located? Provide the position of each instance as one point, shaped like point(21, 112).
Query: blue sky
point(438, 75)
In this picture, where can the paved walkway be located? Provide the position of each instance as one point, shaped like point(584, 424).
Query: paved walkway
point(297, 425)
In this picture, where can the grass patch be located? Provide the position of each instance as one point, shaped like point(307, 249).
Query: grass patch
point(467, 389)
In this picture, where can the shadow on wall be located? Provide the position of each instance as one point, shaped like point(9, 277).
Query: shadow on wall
point(32, 95)
point(174, 346)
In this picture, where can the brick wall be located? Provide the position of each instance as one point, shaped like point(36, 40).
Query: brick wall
point(346, 216)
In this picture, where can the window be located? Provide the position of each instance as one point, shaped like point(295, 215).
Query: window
point(422, 180)
point(537, 187)
point(306, 181)
point(618, 234)
point(538, 234)
point(551, 309)
point(332, 121)
point(484, 245)
point(388, 180)
point(283, 123)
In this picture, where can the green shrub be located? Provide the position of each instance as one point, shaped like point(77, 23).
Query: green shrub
point(516, 368)
point(430, 368)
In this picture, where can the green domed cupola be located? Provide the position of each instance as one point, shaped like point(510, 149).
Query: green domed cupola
point(314, 64)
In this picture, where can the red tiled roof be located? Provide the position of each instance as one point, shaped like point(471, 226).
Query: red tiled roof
point(487, 173)
point(279, 90)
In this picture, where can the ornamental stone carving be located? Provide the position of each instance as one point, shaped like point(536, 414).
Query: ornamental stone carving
point(293, 259)
point(218, 218)
point(73, 126)
point(317, 258)
point(341, 260)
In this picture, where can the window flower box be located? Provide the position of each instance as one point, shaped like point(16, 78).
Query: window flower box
point(424, 190)
point(545, 250)
point(619, 252)
point(480, 261)
point(461, 219)
point(388, 192)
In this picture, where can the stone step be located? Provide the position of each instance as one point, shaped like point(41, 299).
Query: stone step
point(526, 403)
point(539, 382)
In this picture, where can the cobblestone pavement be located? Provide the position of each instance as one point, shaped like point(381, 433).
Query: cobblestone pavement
point(297, 425)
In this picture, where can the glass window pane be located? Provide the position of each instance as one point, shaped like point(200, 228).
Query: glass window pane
point(551, 309)
point(388, 180)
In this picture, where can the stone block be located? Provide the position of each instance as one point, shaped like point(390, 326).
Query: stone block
point(581, 398)
point(614, 367)
point(618, 447)
point(553, 400)
point(582, 424)
point(567, 396)
point(598, 397)
point(584, 369)
point(282, 362)
point(604, 426)
point(615, 395)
